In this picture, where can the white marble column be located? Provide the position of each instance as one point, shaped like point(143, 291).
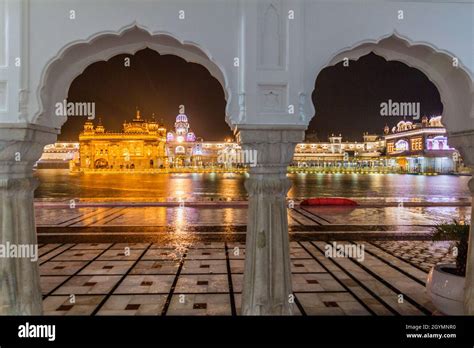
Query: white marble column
point(20, 146)
point(469, 288)
point(464, 143)
point(267, 276)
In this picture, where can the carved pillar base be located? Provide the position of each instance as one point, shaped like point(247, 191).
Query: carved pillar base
point(21, 146)
point(267, 276)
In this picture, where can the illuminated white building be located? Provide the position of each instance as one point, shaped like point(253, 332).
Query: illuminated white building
point(335, 150)
point(421, 147)
point(182, 149)
point(59, 155)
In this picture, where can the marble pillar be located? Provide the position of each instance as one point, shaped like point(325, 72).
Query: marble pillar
point(469, 285)
point(464, 143)
point(267, 275)
point(21, 146)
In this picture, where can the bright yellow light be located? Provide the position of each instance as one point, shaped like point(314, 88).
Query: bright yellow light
point(180, 139)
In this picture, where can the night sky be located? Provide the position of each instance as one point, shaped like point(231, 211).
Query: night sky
point(347, 99)
point(155, 84)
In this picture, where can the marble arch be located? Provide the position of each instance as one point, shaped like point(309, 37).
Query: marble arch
point(453, 80)
point(77, 56)
point(455, 84)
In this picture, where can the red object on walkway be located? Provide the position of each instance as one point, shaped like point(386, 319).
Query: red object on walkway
point(328, 201)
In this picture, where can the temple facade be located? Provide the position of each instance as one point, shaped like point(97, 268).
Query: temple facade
point(141, 145)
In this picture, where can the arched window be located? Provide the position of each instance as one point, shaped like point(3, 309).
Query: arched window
point(401, 145)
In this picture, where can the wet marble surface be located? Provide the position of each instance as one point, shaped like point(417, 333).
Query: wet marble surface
point(193, 274)
point(391, 215)
point(181, 218)
point(188, 284)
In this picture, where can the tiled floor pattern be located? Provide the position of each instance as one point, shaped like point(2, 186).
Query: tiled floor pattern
point(206, 279)
point(422, 254)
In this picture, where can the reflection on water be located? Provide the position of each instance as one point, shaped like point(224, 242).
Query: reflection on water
point(59, 184)
point(394, 186)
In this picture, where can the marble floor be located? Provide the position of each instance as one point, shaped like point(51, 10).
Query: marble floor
point(119, 260)
point(206, 278)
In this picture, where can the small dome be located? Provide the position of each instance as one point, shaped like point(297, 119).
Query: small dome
point(190, 136)
point(435, 121)
point(181, 118)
